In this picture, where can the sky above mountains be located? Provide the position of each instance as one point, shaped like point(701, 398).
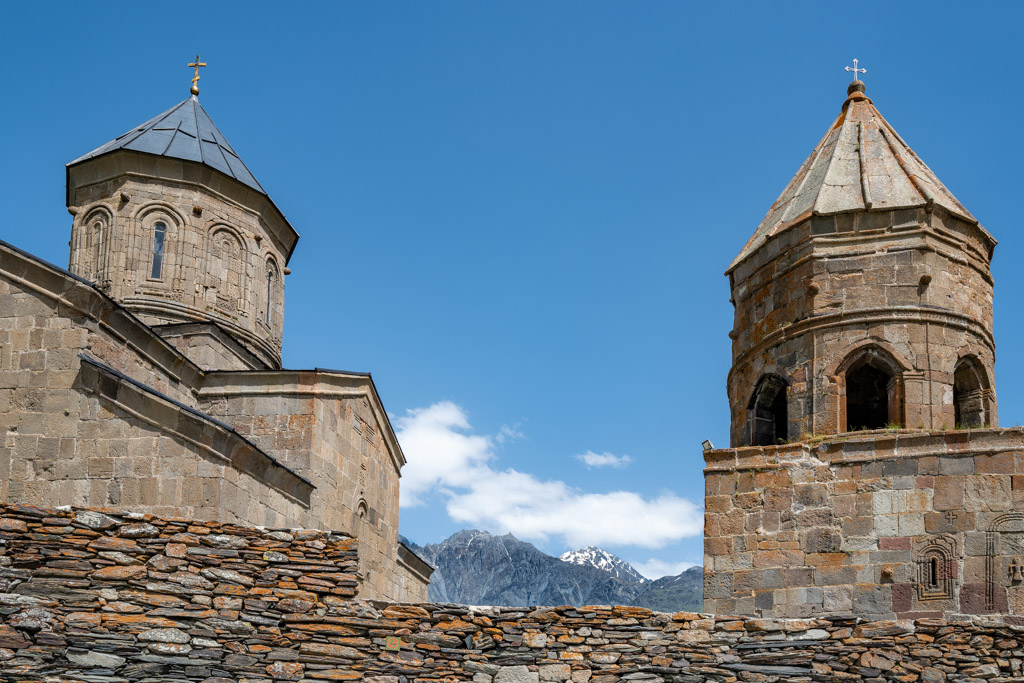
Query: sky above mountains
point(517, 215)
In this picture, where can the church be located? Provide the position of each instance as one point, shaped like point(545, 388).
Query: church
point(866, 472)
point(147, 376)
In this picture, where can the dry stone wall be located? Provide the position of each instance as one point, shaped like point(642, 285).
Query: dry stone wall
point(106, 597)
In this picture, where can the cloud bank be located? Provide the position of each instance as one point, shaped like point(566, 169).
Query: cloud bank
point(445, 456)
point(655, 568)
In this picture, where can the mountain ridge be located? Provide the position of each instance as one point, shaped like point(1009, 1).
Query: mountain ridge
point(475, 567)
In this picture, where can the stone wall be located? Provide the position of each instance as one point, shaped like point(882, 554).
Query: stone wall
point(99, 596)
point(879, 524)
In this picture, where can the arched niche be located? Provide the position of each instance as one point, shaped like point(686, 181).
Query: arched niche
point(225, 271)
point(93, 244)
point(872, 389)
point(970, 393)
point(768, 412)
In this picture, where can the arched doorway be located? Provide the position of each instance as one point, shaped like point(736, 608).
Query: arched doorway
point(874, 391)
point(970, 393)
point(768, 416)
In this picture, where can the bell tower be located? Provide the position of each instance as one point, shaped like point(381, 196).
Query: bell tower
point(864, 298)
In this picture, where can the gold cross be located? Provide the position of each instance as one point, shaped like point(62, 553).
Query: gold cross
point(195, 79)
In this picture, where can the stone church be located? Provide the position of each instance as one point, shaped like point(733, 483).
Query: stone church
point(148, 375)
point(866, 472)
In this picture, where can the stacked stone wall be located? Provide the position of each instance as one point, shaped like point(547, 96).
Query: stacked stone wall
point(107, 597)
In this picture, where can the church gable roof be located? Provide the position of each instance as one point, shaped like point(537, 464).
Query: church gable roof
point(862, 164)
point(187, 132)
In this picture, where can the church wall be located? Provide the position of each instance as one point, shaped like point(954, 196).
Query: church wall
point(327, 427)
point(217, 254)
point(77, 433)
point(851, 525)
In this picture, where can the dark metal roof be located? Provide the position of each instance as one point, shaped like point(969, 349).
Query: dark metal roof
point(187, 132)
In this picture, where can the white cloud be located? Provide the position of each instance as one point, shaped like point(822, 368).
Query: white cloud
point(444, 456)
point(655, 568)
point(592, 459)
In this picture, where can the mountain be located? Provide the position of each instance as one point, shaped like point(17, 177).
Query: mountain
point(674, 593)
point(592, 556)
point(477, 568)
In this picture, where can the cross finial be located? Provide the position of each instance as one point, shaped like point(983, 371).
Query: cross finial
point(854, 69)
point(195, 79)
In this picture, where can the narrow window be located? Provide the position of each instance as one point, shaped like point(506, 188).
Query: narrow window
point(969, 395)
point(867, 398)
point(768, 412)
point(270, 292)
point(159, 232)
point(933, 572)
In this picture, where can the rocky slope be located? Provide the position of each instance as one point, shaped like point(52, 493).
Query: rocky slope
point(477, 568)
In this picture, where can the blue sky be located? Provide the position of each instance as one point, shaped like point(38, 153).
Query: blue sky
point(516, 215)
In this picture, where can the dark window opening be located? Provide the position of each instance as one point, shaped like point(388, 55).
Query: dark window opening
point(933, 572)
point(270, 293)
point(159, 232)
point(769, 412)
point(969, 395)
point(867, 397)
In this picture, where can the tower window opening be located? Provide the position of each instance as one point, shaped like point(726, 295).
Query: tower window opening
point(969, 393)
point(867, 397)
point(769, 413)
point(933, 572)
point(270, 293)
point(159, 235)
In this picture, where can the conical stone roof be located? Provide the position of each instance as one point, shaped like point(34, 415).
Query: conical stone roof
point(184, 131)
point(862, 164)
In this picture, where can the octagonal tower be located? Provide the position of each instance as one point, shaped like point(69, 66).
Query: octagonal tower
point(171, 223)
point(863, 299)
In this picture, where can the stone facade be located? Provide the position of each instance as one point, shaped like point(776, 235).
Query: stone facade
point(101, 596)
point(866, 474)
point(219, 260)
point(149, 377)
point(878, 524)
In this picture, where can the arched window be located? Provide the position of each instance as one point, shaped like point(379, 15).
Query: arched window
point(271, 280)
point(970, 393)
point(874, 397)
point(159, 237)
point(769, 412)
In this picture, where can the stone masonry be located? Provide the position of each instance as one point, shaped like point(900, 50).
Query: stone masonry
point(107, 597)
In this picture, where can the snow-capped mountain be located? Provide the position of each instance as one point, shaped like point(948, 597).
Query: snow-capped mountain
point(592, 556)
point(475, 568)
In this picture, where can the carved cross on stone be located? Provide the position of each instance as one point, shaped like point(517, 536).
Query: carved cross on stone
point(854, 69)
point(950, 516)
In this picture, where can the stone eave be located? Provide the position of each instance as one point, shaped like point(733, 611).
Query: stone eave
point(192, 173)
point(212, 329)
point(196, 427)
point(318, 382)
point(416, 565)
point(807, 215)
point(81, 295)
